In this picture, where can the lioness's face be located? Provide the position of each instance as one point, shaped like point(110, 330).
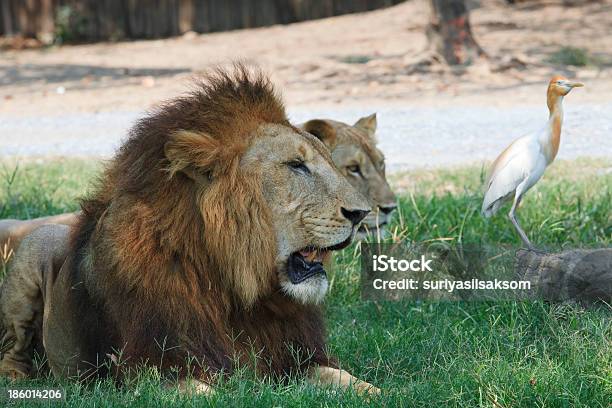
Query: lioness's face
point(355, 154)
point(366, 172)
point(315, 209)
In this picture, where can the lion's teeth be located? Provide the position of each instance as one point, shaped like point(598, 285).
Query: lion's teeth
point(308, 255)
point(314, 255)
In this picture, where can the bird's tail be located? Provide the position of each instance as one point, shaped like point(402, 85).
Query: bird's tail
point(489, 210)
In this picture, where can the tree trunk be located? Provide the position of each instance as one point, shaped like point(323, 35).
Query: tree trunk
point(185, 13)
point(578, 275)
point(7, 18)
point(450, 34)
point(46, 25)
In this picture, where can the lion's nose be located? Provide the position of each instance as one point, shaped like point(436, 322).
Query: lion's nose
point(354, 216)
point(388, 208)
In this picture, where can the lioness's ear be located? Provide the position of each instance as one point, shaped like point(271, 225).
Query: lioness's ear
point(323, 131)
point(367, 123)
point(191, 152)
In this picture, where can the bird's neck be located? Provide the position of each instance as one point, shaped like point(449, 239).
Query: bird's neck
point(555, 120)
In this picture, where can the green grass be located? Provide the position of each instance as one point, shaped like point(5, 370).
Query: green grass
point(571, 206)
point(578, 57)
point(35, 189)
point(421, 354)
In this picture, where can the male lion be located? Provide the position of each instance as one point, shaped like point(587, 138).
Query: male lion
point(354, 153)
point(202, 242)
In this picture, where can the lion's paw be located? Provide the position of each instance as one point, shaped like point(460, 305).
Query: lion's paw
point(195, 387)
point(366, 389)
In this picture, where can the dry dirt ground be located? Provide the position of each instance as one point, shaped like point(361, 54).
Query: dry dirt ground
point(343, 66)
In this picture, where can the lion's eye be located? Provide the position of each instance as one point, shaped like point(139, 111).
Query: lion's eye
point(299, 166)
point(355, 169)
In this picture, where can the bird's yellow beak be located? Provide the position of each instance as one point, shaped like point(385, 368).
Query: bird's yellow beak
point(576, 84)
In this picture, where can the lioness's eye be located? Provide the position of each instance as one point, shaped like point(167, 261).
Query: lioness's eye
point(354, 169)
point(298, 165)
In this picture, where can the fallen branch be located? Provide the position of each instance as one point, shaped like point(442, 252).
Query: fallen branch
point(580, 275)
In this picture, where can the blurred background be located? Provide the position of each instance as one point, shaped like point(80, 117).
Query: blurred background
point(453, 81)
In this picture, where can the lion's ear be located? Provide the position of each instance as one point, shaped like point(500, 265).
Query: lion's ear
point(323, 131)
point(367, 123)
point(191, 152)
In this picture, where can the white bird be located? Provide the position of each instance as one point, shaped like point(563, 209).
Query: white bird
point(522, 163)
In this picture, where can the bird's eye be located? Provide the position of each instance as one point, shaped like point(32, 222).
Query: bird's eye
point(355, 169)
point(559, 82)
point(299, 166)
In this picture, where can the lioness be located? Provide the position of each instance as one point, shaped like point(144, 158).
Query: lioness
point(202, 242)
point(354, 152)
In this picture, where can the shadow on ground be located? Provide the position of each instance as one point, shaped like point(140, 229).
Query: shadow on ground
point(85, 75)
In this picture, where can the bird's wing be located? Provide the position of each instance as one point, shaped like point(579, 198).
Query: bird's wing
point(509, 169)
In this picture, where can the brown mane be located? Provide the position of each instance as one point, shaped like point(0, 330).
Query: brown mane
point(175, 246)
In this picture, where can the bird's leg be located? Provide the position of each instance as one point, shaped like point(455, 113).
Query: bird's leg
point(512, 216)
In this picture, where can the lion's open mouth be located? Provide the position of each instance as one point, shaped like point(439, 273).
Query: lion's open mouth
point(308, 262)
